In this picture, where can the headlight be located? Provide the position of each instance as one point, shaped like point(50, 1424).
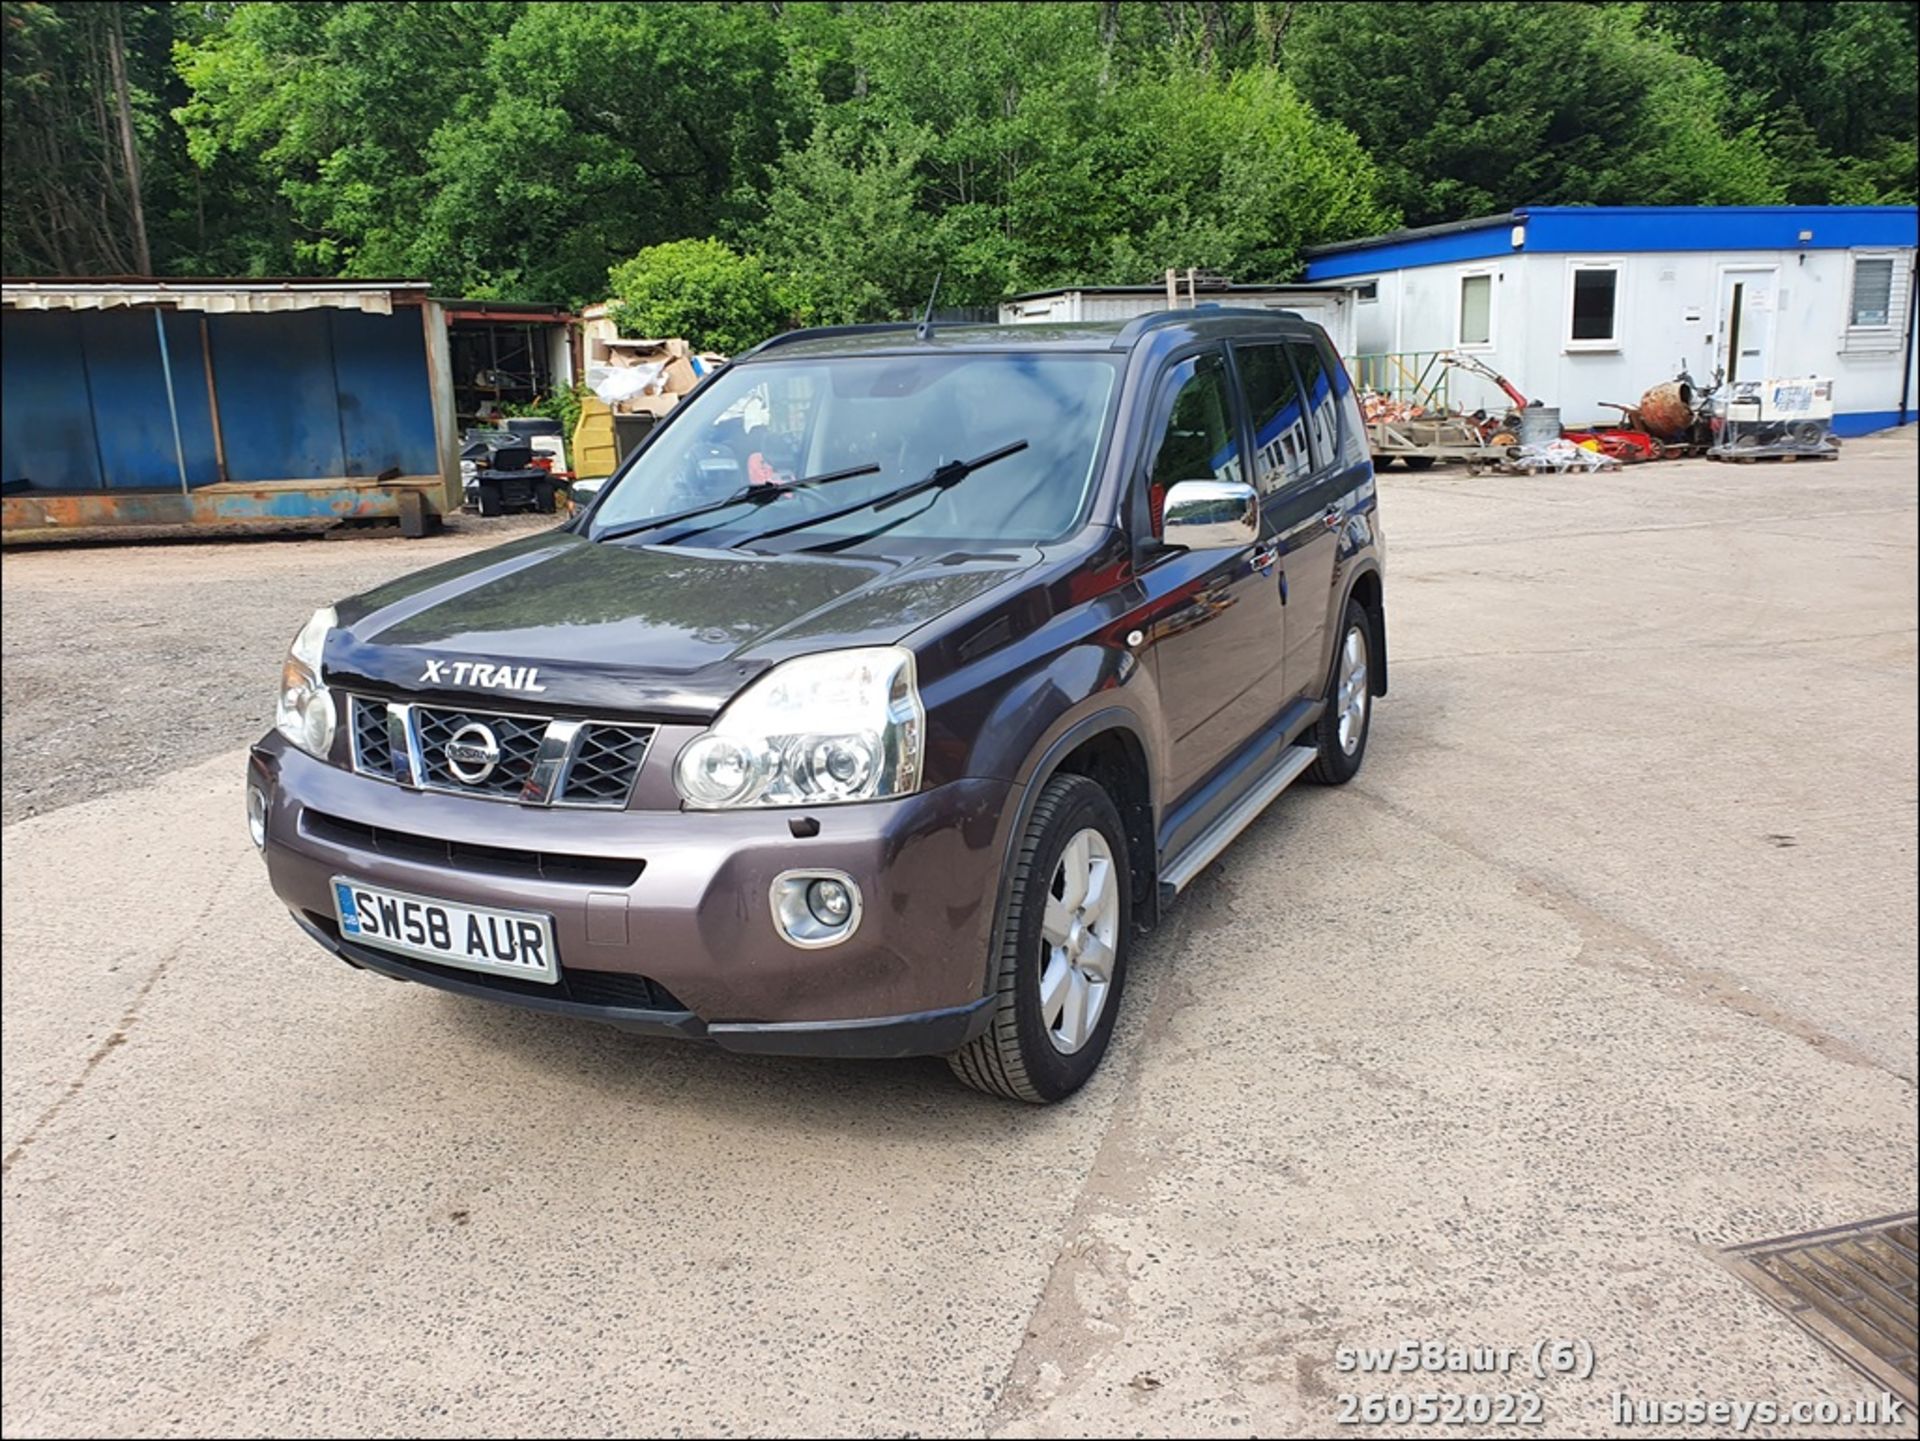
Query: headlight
point(304, 714)
point(843, 726)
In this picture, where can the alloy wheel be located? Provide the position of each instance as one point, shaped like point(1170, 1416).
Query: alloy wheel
point(1350, 699)
point(1078, 934)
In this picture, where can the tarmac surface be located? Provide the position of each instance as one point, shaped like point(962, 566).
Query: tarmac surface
point(1607, 960)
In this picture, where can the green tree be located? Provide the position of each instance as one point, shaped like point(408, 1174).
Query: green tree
point(591, 132)
point(78, 93)
point(1832, 85)
point(1474, 107)
point(1693, 146)
point(513, 148)
point(843, 224)
point(703, 290)
point(339, 104)
point(1058, 153)
point(1238, 175)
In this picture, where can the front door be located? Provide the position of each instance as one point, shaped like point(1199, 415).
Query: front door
point(1743, 347)
point(1214, 618)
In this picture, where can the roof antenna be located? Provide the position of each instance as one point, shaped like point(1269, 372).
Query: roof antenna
point(925, 327)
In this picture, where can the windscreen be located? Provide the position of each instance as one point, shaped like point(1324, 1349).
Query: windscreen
point(781, 423)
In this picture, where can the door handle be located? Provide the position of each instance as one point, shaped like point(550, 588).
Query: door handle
point(1333, 517)
point(1267, 555)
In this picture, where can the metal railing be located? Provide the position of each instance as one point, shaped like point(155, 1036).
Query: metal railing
point(1410, 377)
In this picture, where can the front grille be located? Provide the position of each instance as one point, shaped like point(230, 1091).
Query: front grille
point(622, 989)
point(605, 761)
point(536, 760)
point(516, 737)
point(610, 871)
point(372, 745)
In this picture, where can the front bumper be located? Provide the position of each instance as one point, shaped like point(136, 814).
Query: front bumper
point(687, 946)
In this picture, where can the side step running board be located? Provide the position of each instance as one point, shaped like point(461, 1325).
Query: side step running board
point(1218, 836)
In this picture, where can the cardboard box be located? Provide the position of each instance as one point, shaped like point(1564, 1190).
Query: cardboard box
point(675, 356)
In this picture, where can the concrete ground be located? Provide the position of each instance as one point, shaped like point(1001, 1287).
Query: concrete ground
point(1607, 960)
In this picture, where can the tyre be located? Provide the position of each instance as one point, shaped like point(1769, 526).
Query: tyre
point(1062, 960)
point(489, 500)
point(1418, 462)
point(1340, 735)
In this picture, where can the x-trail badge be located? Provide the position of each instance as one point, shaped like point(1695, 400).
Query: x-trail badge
point(480, 674)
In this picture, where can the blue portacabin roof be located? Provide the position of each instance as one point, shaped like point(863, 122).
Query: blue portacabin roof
point(1620, 230)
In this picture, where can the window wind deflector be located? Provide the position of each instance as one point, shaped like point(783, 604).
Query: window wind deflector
point(942, 477)
point(750, 495)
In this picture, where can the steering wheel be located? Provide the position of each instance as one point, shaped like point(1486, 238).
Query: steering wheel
point(709, 472)
point(806, 499)
point(773, 463)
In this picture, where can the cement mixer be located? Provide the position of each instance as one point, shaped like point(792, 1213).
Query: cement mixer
point(1666, 411)
point(1675, 414)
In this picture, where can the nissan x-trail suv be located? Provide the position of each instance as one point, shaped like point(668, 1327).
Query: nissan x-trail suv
point(878, 700)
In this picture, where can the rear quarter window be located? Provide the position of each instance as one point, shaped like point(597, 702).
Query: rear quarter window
point(1354, 446)
point(1321, 403)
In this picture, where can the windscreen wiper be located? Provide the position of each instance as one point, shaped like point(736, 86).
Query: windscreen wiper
point(942, 477)
point(749, 495)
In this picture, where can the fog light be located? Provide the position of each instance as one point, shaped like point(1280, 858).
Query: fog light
point(829, 902)
point(815, 908)
point(257, 816)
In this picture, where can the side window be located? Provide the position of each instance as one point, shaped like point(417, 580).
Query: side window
point(1280, 452)
point(1596, 292)
point(1323, 408)
point(1355, 445)
point(1476, 309)
point(1198, 440)
point(1872, 305)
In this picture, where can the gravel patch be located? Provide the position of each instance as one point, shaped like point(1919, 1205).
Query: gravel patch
point(120, 662)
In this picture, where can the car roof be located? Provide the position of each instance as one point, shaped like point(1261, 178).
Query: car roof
point(1204, 322)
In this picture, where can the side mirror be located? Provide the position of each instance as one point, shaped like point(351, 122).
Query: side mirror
point(1210, 515)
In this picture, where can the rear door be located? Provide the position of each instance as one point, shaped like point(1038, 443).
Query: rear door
point(1302, 476)
point(1216, 625)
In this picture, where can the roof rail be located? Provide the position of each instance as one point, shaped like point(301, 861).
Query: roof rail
point(1205, 310)
point(824, 332)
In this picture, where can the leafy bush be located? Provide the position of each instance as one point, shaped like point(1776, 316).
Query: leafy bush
point(704, 290)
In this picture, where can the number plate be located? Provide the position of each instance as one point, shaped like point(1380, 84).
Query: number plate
point(475, 938)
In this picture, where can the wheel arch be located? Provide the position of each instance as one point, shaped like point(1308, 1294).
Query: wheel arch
point(1369, 593)
point(1108, 748)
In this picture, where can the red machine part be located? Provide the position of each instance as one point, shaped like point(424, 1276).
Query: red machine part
point(1494, 429)
point(1481, 368)
point(1626, 446)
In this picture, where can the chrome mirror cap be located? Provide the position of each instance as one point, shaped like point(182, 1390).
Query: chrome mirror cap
point(1211, 515)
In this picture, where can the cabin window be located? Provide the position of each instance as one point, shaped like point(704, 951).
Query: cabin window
point(1872, 291)
point(1476, 309)
point(1593, 319)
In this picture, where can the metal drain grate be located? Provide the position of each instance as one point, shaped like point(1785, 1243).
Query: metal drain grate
point(1852, 1288)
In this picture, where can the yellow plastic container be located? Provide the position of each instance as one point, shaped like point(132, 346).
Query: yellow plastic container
point(594, 451)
